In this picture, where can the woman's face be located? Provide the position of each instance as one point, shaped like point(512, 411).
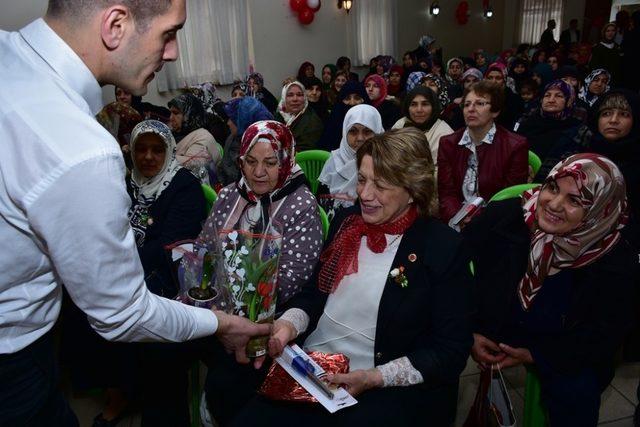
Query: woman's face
point(553, 62)
point(495, 76)
point(420, 109)
point(326, 75)
point(149, 154)
point(468, 81)
point(537, 78)
point(598, 84)
point(477, 111)
point(379, 70)
point(380, 201)
point(395, 78)
point(455, 70)
point(480, 60)
point(542, 56)
point(407, 61)
point(260, 167)
point(610, 33)
point(123, 97)
point(353, 99)
point(175, 119)
point(339, 82)
point(614, 124)
point(255, 87)
point(519, 69)
point(237, 93)
point(314, 93)
point(294, 101)
point(431, 85)
point(373, 90)
point(309, 71)
point(357, 135)
point(571, 81)
point(553, 101)
point(560, 209)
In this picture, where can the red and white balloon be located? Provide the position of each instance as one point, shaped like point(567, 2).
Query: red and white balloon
point(305, 9)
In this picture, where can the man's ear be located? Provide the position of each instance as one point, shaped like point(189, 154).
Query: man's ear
point(115, 22)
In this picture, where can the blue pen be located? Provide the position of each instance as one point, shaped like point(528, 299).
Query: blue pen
point(305, 368)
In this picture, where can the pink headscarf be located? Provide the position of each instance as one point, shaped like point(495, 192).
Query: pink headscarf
point(379, 81)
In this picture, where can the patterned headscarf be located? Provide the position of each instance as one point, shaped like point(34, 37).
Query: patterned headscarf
point(379, 81)
point(472, 72)
point(449, 62)
point(119, 119)
point(288, 117)
point(587, 96)
point(243, 87)
point(147, 190)
point(569, 97)
point(192, 114)
point(206, 93)
point(443, 92)
point(603, 196)
point(414, 80)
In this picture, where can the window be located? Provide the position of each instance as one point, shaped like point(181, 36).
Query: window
point(534, 15)
point(214, 45)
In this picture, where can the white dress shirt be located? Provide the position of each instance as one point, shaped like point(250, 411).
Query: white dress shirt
point(63, 206)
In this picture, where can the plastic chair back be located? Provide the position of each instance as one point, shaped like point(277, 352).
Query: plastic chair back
point(312, 162)
point(534, 162)
point(512, 192)
point(534, 413)
point(324, 218)
point(210, 196)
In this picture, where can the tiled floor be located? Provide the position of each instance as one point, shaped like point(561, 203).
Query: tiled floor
point(618, 401)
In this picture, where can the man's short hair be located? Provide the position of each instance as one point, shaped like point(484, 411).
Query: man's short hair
point(143, 11)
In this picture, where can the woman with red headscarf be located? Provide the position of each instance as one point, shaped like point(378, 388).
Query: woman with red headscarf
point(389, 109)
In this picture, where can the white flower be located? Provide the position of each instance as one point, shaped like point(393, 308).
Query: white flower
point(394, 272)
point(228, 253)
point(235, 289)
point(240, 272)
point(250, 287)
point(233, 236)
point(241, 313)
point(244, 250)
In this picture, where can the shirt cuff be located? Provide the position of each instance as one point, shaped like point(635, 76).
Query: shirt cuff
point(399, 373)
point(206, 322)
point(298, 318)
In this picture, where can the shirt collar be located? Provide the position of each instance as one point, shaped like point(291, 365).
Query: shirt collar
point(488, 138)
point(64, 61)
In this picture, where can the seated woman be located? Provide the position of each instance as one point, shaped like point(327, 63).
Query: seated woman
point(482, 158)
point(339, 175)
point(317, 99)
point(513, 104)
point(295, 113)
point(452, 114)
point(395, 88)
point(556, 283)
point(351, 94)
point(241, 113)
point(596, 84)
point(407, 337)
point(272, 189)
point(340, 79)
point(421, 109)
point(197, 149)
point(552, 126)
point(255, 88)
point(389, 110)
point(439, 87)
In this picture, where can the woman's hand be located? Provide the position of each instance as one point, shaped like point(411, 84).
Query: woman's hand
point(485, 351)
point(283, 333)
point(515, 356)
point(357, 381)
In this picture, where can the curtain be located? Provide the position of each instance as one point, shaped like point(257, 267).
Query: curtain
point(372, 25)
point(534, 15)
point(214, 45)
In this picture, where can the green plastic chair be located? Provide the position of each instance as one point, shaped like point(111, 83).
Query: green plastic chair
point(312, 162)
point(535, 414)
point(324, 218)
point(512, 192)
point(210, 196)
point(534, 162)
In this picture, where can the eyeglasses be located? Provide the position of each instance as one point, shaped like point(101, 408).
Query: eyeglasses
point(477, 104)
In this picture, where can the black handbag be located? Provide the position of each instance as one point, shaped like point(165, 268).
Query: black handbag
point(492, 404)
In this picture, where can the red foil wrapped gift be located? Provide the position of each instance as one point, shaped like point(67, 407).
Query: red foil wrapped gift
point(279, 385)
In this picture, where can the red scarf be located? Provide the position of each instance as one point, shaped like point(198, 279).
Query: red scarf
point(341, 257)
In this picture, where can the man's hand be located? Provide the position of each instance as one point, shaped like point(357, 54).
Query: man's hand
point(234, 333)
point(515, 356)
point(485, 351)
point(357, 381)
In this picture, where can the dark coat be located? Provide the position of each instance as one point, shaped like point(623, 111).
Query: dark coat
point(177, 215)
point(565, 37)
point(501, 164)
point(306, 129)
point(427, 321)
point(601, 301)
point(389, 112)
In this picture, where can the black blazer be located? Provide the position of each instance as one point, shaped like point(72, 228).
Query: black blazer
point(601, 302)
point(429, 320)
point(177, 215)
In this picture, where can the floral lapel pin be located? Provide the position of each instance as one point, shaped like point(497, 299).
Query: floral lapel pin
point(398, 276)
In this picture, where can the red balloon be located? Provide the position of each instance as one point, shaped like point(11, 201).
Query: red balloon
point(297, 5)
point(305, 16)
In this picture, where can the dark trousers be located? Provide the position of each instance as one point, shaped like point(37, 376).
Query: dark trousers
point(571, 399)
point(29, 394)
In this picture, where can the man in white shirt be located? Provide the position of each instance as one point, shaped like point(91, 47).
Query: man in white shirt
point(63, 202)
